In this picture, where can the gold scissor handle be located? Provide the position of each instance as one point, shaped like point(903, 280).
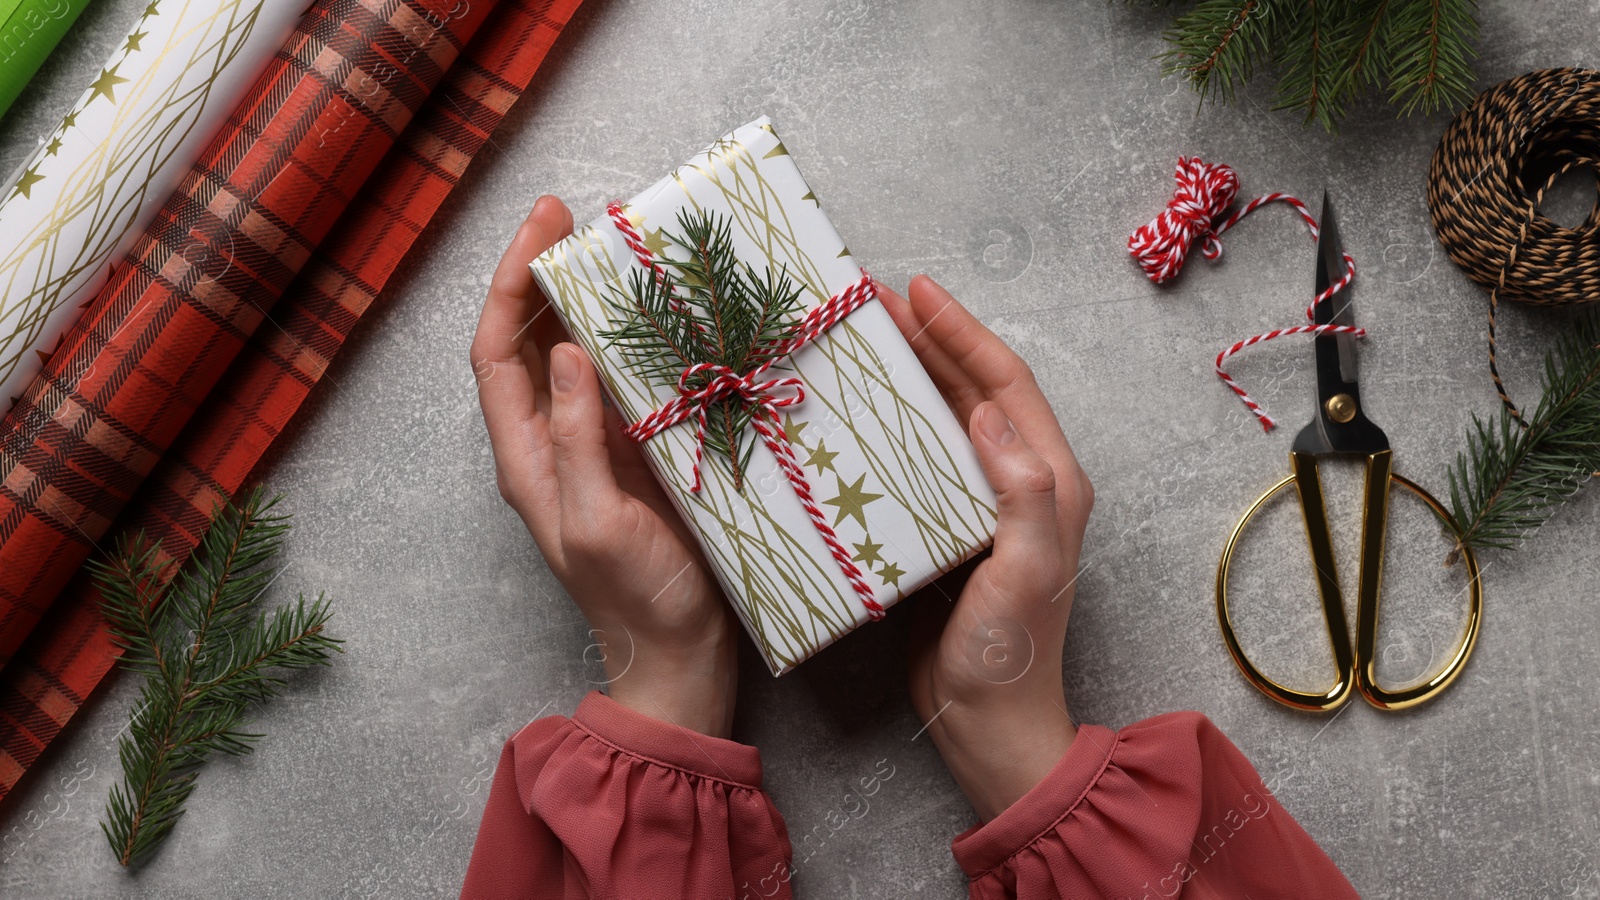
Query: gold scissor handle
point(1357, 669)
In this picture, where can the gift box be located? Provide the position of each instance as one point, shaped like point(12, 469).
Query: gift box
point(851, 484)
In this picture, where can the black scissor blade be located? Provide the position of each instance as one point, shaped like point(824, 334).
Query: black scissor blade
point(1336, 310)
point(1337, 389)
point(1333, 349)
point(1330, 253)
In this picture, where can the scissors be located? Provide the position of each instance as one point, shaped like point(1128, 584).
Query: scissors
point(1341, 429)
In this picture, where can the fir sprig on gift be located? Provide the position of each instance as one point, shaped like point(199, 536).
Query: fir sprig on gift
point(1329, 52)
point(1511, 478)
point(207, 655)
point(706, 306)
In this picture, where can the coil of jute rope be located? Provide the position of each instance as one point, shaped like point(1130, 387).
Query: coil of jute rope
point(1488, 177)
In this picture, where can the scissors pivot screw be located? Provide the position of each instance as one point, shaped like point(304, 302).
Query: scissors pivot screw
point(1341, 408)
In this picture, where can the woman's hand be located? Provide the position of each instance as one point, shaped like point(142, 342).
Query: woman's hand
point(606, 529)
point(986, 669)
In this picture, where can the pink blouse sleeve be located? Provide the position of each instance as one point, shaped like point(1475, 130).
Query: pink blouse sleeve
point(611, 803)
point(1164, 808)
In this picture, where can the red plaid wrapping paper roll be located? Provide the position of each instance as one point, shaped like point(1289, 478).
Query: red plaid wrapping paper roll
point(129, 375)
point(70, 652)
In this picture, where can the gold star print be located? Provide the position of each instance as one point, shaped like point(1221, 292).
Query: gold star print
point(108, 79)
point(633, 218)
point(25, 184)
point(53, 146)
point(655, 241)
point(151, 9)
point(134, 39)
point(868, 552)
point(793, 429)
point(852, 501)
point(891, 574)
point(69, 121)
point(822, 458)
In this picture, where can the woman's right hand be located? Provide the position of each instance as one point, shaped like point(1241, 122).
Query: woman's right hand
point(607, 530)
point(986, 669)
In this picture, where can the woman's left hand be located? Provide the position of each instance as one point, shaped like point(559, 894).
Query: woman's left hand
point(986, 670)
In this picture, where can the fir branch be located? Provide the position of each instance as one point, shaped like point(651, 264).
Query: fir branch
point(707, 306)
point(1327, 53)
point(134, 579)
point(1511, 478)
point(1371, 40)
point(1431, 43)
point(206, 653)
point(1217, 46)
point(1336, 51)
point(1309, 63)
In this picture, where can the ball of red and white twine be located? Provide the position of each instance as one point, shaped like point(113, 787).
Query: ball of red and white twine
point(1198, 210)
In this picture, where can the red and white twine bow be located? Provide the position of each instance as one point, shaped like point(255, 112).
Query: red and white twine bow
point(756, 390)
point(725, 384)
point(1198, 209)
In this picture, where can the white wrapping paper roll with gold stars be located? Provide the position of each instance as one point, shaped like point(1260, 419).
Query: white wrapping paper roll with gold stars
point(76, 206)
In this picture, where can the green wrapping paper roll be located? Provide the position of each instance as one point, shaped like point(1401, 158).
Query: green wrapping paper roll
point(31, 29)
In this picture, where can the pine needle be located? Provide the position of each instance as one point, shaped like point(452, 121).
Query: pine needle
point(709, 307)
point(1511, 478)
point(207, 655)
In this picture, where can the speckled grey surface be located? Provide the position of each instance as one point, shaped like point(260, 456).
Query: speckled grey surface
point(1007, 148)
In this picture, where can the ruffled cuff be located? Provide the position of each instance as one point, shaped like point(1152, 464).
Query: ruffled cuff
point(654, 741)
point(988, 845)
point(611, 803)
point(1162, 807)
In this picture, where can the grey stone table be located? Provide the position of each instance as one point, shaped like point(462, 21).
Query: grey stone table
point(1007, 148)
